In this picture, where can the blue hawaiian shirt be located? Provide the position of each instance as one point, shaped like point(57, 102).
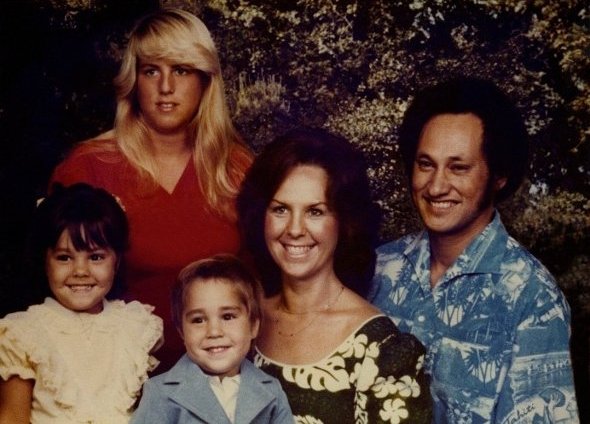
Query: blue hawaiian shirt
point(496, 327)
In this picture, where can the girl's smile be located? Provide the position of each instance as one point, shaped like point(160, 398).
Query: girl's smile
point(80, 279)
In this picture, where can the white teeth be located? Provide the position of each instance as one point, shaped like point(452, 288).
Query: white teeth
point(216, 349)
point(166, 106)
point(441, 205)
point(297, 250)
point(81, 288)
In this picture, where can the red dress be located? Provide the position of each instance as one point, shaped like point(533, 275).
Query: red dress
point(167, 230)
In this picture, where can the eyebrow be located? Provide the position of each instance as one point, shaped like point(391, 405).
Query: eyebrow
point(323, 203)
point(223, 309)
point(60, 249)
point(420, 155)
point(172, 65)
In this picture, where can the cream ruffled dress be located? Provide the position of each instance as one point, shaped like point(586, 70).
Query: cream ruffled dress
point(87, 367)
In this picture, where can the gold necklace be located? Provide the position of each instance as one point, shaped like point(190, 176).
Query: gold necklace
point(281, 308)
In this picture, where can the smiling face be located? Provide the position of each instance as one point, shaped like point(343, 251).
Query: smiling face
point(300, 229)
point(216, 326)
point(168, 95)
point(80, 279)
point(451, 183)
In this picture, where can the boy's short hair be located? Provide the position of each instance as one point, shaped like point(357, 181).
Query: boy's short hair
point(225, 267)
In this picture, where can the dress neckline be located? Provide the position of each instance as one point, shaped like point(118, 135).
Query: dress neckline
point(329, 355)
point(180, 181)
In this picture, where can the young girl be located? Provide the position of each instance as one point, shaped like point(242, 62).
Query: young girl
point(77, 357)
point(216, 311)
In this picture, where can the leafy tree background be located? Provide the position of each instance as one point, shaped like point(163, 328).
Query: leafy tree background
point(350, 66)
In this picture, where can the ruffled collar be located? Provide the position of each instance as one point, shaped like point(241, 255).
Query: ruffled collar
point(67, 321)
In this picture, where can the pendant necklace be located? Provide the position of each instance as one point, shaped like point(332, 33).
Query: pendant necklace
point(281, 308)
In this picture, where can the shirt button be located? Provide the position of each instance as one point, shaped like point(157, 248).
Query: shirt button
point(421, 318)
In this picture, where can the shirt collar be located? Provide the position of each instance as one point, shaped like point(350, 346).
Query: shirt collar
point(482, 255)
point(214, 380)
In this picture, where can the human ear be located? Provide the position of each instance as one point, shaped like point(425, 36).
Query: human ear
point(254, 328)
point(179, 329)
point(499, 183)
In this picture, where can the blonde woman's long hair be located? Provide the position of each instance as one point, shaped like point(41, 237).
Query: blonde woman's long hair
point(220, 155)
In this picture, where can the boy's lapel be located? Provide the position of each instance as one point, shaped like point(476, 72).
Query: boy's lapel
point(252, 395)
point(194, 392)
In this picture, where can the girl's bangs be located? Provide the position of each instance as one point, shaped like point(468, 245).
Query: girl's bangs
point(87, 235)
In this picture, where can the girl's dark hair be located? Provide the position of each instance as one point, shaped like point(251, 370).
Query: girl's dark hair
point(91, 216)
point(348, 195)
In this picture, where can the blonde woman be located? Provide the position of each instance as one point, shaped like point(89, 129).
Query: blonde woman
point(174, 159)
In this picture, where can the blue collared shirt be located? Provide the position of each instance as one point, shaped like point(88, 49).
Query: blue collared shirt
point(496, 327)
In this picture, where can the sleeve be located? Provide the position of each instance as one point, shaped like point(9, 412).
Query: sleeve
point(14, 355)
point(90, 162)
point(399, 389)
point(389, 264)
point(539, 380)
point(282, 413)
point(75, 168)
point(152, 407)
point(146, 331)
point(376, 285)
point(240, 161)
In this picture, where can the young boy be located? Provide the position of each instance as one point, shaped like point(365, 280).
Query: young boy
point(215, 308)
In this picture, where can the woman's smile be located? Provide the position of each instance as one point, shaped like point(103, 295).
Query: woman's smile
point(300, 229)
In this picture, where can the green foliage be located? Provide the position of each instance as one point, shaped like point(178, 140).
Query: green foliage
point(557, 219)
point(353, 66)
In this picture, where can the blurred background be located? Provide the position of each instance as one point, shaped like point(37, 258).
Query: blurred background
point(349, 66)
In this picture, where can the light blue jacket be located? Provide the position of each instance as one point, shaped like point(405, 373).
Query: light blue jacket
point(183, 395)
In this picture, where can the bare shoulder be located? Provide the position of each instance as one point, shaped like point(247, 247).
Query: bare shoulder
point(356, 309)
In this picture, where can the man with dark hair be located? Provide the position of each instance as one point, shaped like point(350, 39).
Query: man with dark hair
point(492, 317)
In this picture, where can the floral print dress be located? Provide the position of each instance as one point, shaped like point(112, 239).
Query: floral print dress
point(374, 376)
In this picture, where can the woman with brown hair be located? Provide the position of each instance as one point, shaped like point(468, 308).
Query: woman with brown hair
point(307, 218)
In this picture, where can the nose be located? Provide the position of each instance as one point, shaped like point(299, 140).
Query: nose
point(296, 225)
point(81, 267)
point(439, 183)
point(167, 83)
point(214, 328)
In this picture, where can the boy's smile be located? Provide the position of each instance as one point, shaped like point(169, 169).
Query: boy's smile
point(216, 327)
